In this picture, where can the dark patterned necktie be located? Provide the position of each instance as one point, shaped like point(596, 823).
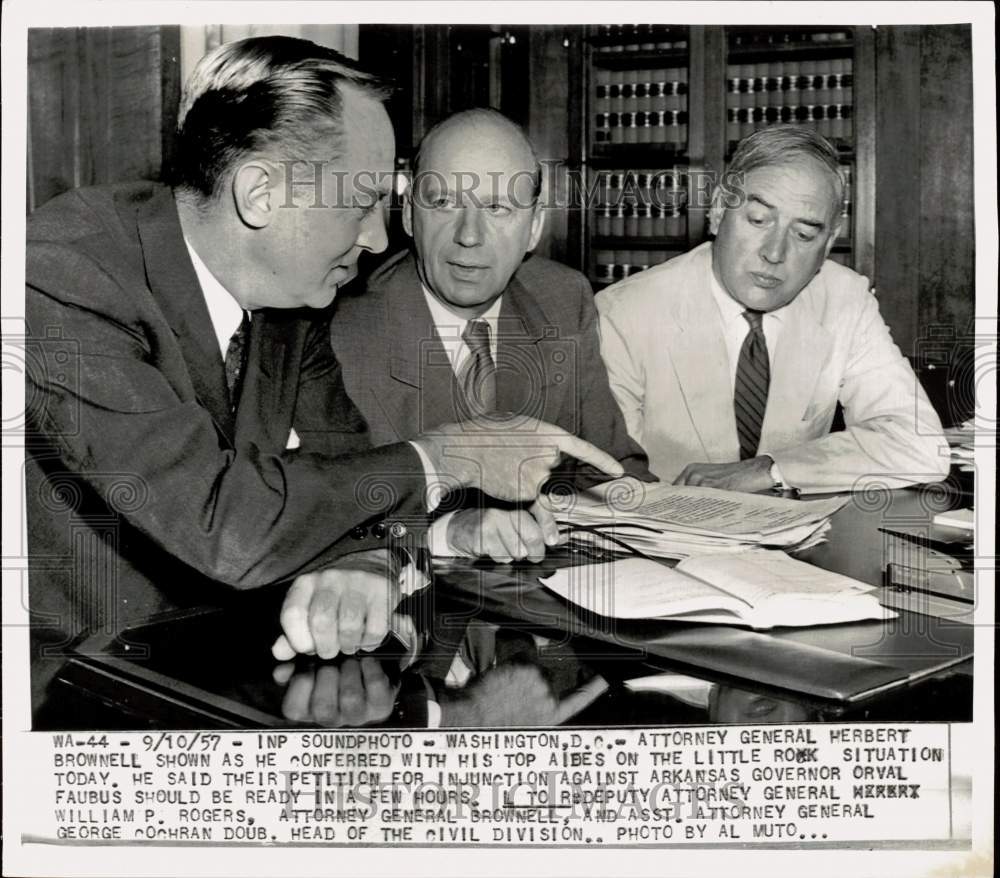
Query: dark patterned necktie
point(236, 355)
point(753, 376)
point(479, 379)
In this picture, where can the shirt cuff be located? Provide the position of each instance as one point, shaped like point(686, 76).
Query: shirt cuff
point(434, 491)
point(437, 537)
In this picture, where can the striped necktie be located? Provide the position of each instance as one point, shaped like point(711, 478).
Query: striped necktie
point(236, 355)
point(753, 376)
point(479, 379)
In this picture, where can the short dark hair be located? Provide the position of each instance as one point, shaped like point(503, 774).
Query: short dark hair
point(273, 93)
point(489, 116)
point(780, 144)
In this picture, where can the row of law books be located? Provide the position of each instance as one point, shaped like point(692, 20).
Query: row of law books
point(639, 38)
point(815, 93)
point(639, 221)
point(614, 265)
point(834, 122)
point(667, 127)
point(784, 82)
point(632, 90)
point(652, 188)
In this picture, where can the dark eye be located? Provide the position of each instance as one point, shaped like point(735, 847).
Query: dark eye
point(441, 202)
point(497, 209)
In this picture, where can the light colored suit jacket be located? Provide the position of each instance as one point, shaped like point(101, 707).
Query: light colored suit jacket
point(667, 361)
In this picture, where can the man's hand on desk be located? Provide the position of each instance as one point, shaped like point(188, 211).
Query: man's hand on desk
point(354, 693)
point(509, 458)
point(343, 608)
point(746, 475)
point(503, 534)
point(515, 695)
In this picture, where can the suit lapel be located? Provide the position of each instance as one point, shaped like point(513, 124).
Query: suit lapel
point(419, 364)
point(266, 403)
point(800, 356)
point(519, 365)
point(697, 349)
point(175, 287)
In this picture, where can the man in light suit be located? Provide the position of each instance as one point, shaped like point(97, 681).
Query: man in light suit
point(729, 361)
point(189, 432)
point(409, 361)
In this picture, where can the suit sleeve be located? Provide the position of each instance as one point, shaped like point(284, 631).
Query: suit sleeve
point(893, 436)
point(245, 516)
point(600, 419)
point(624, 371)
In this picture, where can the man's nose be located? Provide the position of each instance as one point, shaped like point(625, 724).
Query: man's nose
point(469, 232)
point(774, 246)
point(372, 235)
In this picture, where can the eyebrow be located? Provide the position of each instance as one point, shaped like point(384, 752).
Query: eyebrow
point(815, 224)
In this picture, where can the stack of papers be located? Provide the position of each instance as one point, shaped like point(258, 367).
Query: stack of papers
point(758, 589)
point(679, 521)
point(961, 444)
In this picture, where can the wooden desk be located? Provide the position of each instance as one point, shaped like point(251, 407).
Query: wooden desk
point(212, 668)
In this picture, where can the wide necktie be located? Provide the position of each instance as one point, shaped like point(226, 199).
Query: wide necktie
point(236, 355)
point(753, 376)
point(479, 379)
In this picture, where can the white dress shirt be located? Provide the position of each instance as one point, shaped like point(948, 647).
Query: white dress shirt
point(449, 328)
point(735, 326)
point(735, 329)
point(224, 311)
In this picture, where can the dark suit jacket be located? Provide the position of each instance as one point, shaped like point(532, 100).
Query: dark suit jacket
point(548, 359)
point(145, 491)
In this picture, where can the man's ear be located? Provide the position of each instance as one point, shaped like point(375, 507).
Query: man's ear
point(254, 193)
point(833, 237)
point(408, 211)
point(716, 211)
point(537, 225)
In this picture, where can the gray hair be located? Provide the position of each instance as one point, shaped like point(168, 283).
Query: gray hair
point(271, 93)
point(781, 144)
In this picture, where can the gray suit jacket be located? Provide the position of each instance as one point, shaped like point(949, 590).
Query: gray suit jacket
point(548, 359)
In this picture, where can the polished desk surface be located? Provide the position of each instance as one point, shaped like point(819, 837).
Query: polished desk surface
point(493, 648)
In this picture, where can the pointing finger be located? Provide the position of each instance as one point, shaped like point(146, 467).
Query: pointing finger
point(583, 450)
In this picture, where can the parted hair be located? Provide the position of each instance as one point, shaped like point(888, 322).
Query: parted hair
point(273, 95)
point(779, 144)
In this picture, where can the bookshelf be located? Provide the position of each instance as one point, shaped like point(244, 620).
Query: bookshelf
point(665, 104)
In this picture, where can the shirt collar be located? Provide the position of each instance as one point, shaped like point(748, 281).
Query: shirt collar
point(445, 319)
point(223, 310)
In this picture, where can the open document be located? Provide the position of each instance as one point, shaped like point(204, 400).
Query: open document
point(678, 521)
point(759, 589)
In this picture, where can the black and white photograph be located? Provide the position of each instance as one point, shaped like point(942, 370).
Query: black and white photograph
point(499, 438)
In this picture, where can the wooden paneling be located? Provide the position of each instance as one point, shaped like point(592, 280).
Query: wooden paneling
point(947, 241)
point(866, 139)
point(102, 106)
point(551, 87)
point(924, 234)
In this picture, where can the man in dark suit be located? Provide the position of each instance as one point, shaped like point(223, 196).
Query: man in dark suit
point(190, 432)
point(466, 323)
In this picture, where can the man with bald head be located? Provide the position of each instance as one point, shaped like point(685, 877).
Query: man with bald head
point(729, 361)
point(465, 324)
